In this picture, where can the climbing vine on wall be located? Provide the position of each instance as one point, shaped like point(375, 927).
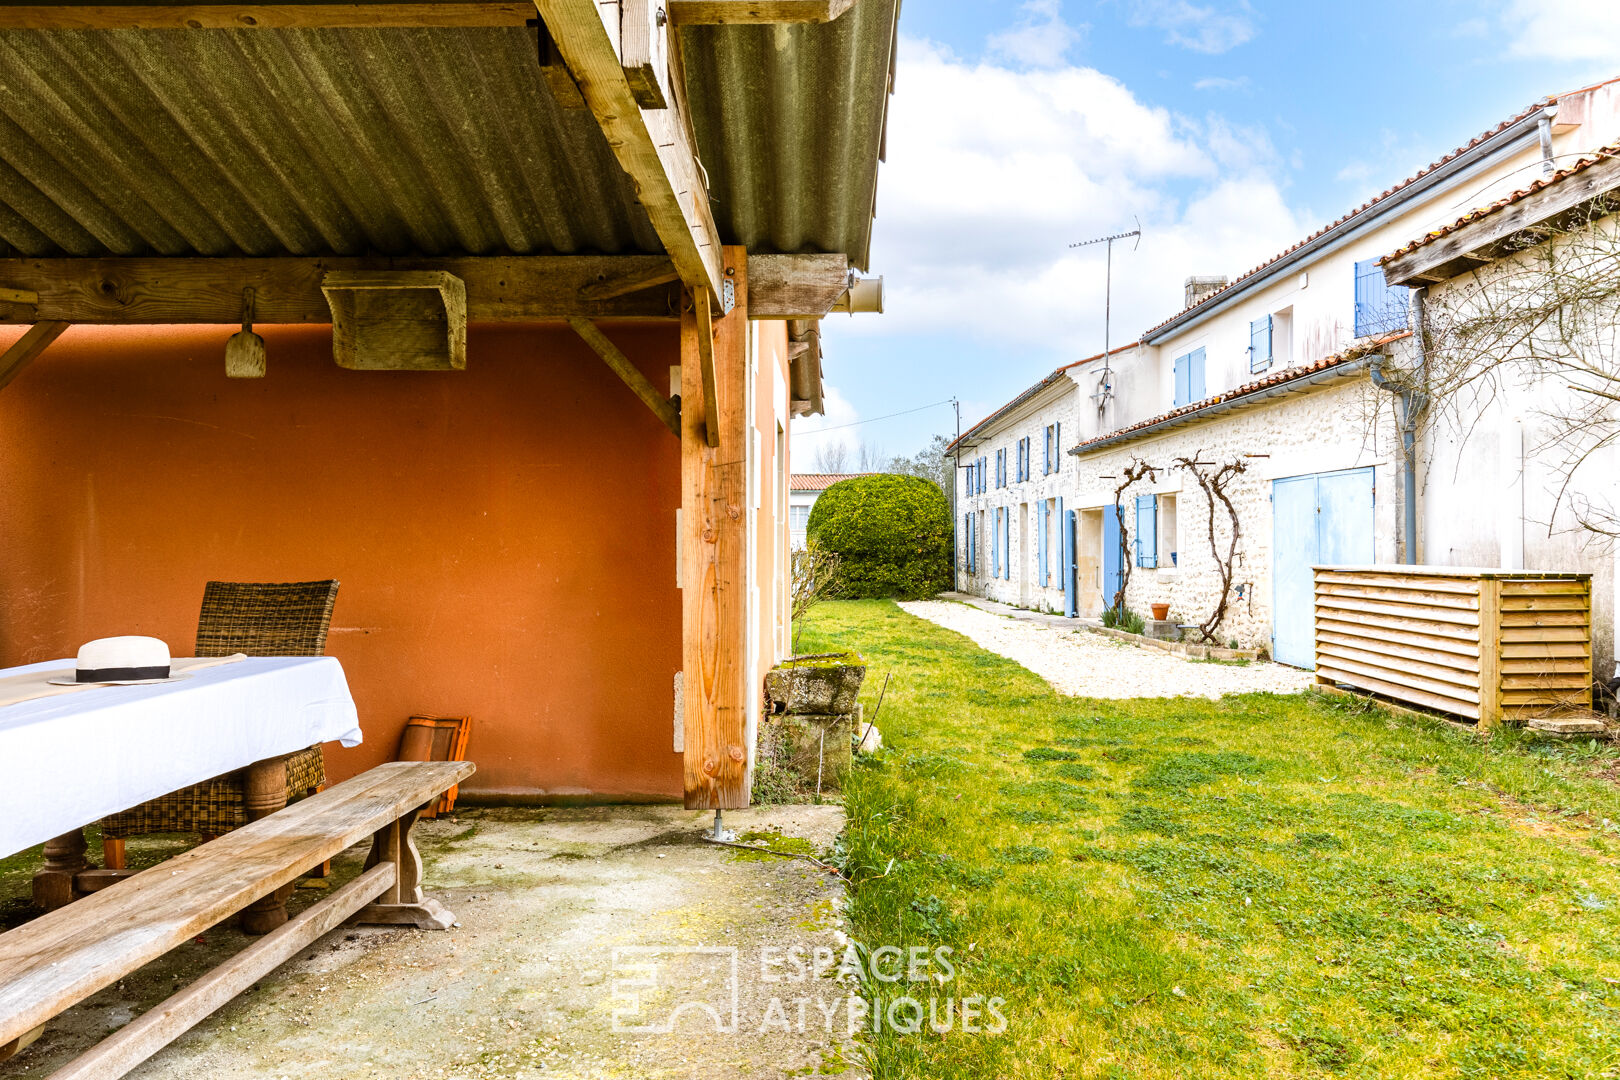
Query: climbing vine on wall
point(1214, 484)
point(1137, 470)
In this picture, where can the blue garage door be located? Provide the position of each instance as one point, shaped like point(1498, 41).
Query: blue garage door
point(1325, 518)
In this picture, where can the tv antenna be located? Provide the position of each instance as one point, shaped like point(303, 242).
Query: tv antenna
point(1105, 389)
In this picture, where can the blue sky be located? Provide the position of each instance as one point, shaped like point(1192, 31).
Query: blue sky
point(1230, 128)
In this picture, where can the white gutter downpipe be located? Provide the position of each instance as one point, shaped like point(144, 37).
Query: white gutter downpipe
point(1413, 403)
point(1544, 132)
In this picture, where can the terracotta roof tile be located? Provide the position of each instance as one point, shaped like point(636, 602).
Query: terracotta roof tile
point(1032, 391)
point(1505, 201)
point(1357, 212)
point(1276, 378)
point(820, 481)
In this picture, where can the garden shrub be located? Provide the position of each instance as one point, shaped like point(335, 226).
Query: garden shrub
point(891, 534)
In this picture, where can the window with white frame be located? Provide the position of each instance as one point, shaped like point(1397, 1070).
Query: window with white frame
point(1168, 527)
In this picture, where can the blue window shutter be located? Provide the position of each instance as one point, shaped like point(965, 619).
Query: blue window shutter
point(1195, 376)
point(1379, 308)
point(995, 543)
point(1182, 386)
point(1040, 538)
point(1066, 567)
point(1260, 343)
point(1147, 530)
point(1006, 544)
point(1057, 438)
point(1366, 298)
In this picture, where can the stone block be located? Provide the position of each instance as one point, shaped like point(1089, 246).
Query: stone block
point(817, 686)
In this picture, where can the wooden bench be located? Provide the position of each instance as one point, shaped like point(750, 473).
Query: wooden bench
point(64, 956)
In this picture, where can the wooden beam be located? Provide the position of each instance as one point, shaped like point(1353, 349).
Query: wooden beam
point(287, 290)
point(642, 45)
point(237, 16)
point(559, 80)
point(705, 364)
point(652, 145)
point(633, 281)
point(26, 348)
point(715, 549)
point(639, 384)
point(1567, 202)
point(795, 286)
point(209, 291)
point(753, 12)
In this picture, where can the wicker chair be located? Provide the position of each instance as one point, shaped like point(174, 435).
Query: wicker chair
point(261, 620)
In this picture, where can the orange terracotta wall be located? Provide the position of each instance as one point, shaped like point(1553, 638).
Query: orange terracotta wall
point(504, 535)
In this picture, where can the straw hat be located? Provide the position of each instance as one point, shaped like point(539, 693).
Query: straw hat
point(124, 661)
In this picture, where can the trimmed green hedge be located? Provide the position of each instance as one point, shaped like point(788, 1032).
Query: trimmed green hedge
point(892, 535)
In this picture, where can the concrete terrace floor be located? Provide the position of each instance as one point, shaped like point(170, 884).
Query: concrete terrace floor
point(561, 912)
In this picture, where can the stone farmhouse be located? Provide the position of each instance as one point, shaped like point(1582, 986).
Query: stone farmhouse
point(1266, 408)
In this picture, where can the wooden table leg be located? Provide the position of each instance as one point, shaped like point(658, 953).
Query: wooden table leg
point(64, 857)
point(265, 792)
point(404, 903)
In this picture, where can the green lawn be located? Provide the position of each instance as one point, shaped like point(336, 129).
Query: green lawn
point(1261, 886)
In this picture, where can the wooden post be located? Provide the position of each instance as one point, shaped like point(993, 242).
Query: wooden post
point(403, 903)
point(264, 792)
point(714, 556)
point(1490, 652)
point(64, 857)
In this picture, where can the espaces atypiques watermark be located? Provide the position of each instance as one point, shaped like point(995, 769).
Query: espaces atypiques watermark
point(658, 988)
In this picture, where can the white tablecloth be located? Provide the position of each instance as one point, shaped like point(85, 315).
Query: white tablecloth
point(71, 760)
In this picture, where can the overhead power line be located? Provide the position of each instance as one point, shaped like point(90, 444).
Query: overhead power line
point(875, 419)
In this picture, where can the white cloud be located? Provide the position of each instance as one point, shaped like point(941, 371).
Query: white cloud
point(1564, 29)
point(806, 440)
point(992, 172)
point(1221, 82)
point(1205, 28)
point(1040, 39)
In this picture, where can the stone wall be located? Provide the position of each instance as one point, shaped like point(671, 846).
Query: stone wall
point(1323, 430)
point(1340, 426)
point(1059, 404)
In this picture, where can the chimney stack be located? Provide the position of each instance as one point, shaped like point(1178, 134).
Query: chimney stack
point(1200, 287)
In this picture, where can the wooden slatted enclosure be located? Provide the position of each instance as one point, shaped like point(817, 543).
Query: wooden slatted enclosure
point(1486, 645)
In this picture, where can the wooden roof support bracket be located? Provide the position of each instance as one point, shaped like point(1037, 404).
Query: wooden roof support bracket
point(28, 347)
point(746, 12)
point(664, 408)
point(651, 144)
point(711, 386)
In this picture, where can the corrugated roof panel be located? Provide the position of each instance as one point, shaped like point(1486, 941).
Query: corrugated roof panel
point(789, 122)
point(300, 142)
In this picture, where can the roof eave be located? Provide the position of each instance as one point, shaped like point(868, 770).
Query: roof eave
point(1345, 370)
point(1522, 130)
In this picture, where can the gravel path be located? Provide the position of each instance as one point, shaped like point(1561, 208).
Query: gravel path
point(1087, 664)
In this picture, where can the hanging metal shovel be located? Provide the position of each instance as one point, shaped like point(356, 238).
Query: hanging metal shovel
point(244, 351)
